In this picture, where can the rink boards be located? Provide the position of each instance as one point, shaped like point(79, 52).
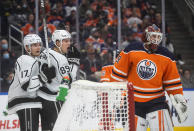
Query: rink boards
point(11, 122)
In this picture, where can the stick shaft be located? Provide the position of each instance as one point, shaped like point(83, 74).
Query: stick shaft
point(45, 31)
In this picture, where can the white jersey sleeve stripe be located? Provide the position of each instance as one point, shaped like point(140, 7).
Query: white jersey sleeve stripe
point(173, 88)
point(123, 73)
point(141, 96)
point(118, 79)
point(169, 81)
point(148, 89)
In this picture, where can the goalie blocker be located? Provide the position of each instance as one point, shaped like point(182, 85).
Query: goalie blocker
point(94, 106)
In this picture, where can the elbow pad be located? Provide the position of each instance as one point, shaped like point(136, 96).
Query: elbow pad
point(32, 85)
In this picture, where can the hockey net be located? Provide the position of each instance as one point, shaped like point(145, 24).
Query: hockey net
point(94, 106)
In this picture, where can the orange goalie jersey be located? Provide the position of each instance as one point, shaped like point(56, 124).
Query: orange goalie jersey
point(151, 74)
point(105, 73)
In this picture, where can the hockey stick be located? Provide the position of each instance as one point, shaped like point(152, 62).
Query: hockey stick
point(114, 52)
point(45, 30)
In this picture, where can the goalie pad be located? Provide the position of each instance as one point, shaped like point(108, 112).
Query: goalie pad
point(180, 105)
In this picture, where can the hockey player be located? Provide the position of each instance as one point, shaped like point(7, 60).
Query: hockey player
point(22, 95)
point(152, 70)
point(105, 73)
point(58, 86)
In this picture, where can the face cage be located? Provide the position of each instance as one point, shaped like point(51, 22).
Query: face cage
point(156, 40)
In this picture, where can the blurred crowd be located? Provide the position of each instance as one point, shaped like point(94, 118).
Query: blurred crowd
point(98, 30)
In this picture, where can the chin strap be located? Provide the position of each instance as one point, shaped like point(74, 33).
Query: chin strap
point(59, 47)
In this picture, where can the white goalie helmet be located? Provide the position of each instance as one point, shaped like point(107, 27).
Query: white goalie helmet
point(31, 39)
point(60, 35)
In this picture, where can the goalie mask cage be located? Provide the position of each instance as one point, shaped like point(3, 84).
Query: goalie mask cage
point(94, 106)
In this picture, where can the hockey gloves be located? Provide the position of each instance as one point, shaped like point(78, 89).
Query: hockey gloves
point(180, 105)
point(63, 89)
point(62, 93)
point(48, 72)
point(73, 55)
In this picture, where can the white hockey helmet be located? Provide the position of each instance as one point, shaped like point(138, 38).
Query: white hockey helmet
point(60, 35)
point(31, 39)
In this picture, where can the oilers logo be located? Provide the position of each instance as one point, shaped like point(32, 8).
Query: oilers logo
point(146, 69)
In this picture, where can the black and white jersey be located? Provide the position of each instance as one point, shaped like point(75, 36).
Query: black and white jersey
point(22, 91)
point(59, 61)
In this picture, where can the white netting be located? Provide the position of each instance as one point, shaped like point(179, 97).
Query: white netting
point(93, 106)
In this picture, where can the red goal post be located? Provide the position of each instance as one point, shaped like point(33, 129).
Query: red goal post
point(95, 106)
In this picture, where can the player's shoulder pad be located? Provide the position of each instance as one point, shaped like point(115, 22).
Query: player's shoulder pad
point(58, 56)
point(134, 46)
point(26, 59)
point(165, 52)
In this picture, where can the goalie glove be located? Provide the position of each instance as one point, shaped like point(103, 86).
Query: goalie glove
point(180, 105)
point(73, 55)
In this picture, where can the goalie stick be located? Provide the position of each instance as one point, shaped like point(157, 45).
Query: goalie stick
point(45, 30)
point(114, 51)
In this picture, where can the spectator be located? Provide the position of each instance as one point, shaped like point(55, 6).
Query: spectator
point(158, 22)
point(134, 18)
point(169, 45)
point(71, 19)
point(91, 64)
point(109, 42)
point(4, 45)
point(54, 18)
point(95, 39)
point(18, 16)
point(7, 81)
point(137, 34)
point(187, 79)
point(146, 22)
point(151, 13)
point(7, 57)
point(60, 10)
point(126, 41)
point(68, 7)
point(7, 62)
point(29, 26)
point(179, 59)
point(107, 59)
point(83, 8)
point(50, 29)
